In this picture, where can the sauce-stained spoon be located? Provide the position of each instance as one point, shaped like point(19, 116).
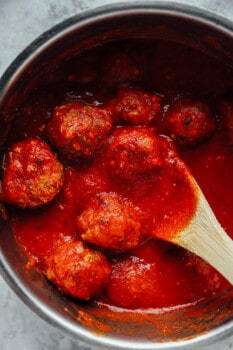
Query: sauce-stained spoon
point(205, 237)
point(200, 232)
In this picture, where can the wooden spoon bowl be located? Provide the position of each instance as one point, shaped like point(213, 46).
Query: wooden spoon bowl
point(205, 236)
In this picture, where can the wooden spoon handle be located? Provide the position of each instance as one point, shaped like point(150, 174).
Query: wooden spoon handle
point(205, 237)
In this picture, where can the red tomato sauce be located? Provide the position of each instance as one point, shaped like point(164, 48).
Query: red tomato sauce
point(164, 203)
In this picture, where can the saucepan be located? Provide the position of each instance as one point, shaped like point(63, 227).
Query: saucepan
point(201, 30)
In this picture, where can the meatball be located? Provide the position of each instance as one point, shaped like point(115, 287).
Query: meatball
point(133, 151)
point(110, 222)
point(77, 130)
point(133, 283)
point(136, 106)
point(77, 270)
point(32, 174)
point(209, 274)
point(189, 121)
point(120, 68)
point(226, 114)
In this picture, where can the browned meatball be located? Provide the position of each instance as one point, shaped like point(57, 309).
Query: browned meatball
point(133, 151)
point(134, 283)
point(120, 68)
point(110, 222)
point(225, 109)
point(77, 130)
point(208, 273)
point(189, 120)
point(136, 106)
point(77, 270)
point(32, 174)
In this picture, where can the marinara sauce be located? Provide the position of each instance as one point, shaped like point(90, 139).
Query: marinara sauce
point(121, 120)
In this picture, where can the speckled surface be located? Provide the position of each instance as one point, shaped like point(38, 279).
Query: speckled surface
point(21, 21)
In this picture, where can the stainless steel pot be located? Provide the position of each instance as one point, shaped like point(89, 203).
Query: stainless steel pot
point(184, 24)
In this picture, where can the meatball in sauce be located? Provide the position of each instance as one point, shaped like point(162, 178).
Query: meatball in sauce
point(136, 106)
point(77, 270)
point(133, 151)
point(77, 130)
point(189, 121)
point(110, 222)
point(33, 176)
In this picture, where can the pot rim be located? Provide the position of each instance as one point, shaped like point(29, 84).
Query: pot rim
point(181, 10)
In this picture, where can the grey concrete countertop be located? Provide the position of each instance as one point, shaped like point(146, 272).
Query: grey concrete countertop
point(21, 21)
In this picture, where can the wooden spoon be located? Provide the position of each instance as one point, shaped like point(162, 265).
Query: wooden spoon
point(205, 237)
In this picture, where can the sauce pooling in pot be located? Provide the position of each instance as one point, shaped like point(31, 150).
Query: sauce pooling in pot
point(120, 120)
